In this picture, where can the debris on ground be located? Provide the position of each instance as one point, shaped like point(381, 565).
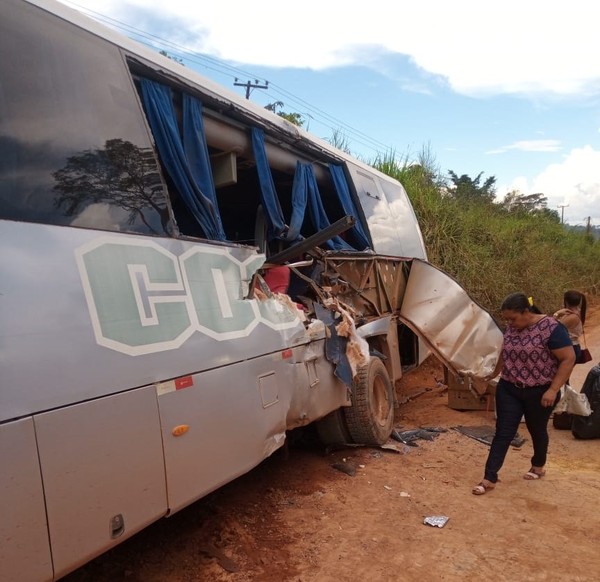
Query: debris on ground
point(485, 434)
point(345, 467)
point(390, 446)
point(408, 437)
point(434, 465)
point(409, 397)
point(436, 520)
point(224, 561)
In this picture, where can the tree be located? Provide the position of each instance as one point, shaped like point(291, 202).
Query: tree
point(295, 118)
point(164, 53)
point(467, 188)
point(121, 174)
point(536, 204)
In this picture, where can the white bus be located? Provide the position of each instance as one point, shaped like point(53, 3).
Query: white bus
point(184, 277)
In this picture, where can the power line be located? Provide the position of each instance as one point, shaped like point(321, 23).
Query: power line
point(213, 64)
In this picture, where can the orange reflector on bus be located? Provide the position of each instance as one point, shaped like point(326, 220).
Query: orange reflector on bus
point(287, 354)
point(181, 429)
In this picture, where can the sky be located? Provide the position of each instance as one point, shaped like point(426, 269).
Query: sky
point(509, 89)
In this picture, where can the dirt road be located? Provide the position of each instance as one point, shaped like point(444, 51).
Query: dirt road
point(296, 518)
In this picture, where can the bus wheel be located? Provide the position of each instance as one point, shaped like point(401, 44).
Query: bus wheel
point(370, 419)
point(332, 429)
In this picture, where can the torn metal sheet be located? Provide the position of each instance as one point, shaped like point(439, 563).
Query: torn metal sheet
point(458, 330)
point(436, 520)
point(380, 326)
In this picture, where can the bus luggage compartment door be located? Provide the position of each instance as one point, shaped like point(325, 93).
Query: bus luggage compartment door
point(103, 473)
point(24, 546)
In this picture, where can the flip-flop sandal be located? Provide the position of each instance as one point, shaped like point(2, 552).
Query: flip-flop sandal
point(482, 489)
point(531, 475)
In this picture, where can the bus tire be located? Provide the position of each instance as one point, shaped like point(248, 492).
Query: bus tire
point(332, 429)
point(370, 419)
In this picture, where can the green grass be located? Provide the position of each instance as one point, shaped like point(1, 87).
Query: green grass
point(492, 252)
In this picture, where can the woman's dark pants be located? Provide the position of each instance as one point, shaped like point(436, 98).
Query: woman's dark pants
point(512, 403)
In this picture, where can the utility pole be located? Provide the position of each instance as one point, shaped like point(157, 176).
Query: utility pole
point(588, 228)
point(250, 85)
point(562, 212)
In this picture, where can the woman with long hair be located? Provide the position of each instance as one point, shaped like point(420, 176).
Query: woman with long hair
point(572, 316)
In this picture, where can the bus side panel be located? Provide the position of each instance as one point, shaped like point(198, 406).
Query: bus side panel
point(392, 222)
point(62, 350)
point(233, 418)
point(382, 226)
point(24, 546)
point(103, 473)
point(321, 393)
point(219, 424)
point(404, 218)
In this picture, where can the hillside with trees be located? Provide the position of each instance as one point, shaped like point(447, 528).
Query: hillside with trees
point(493, 248)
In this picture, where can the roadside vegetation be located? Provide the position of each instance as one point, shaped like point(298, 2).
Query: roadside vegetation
point(493, 248)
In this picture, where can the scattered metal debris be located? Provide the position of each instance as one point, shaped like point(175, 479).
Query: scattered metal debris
point(409, 436)
point(409, 397)
point(396, 448)
point(436, 520)
point(485, 434)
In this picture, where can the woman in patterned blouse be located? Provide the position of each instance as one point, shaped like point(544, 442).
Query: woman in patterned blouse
point(536, 359)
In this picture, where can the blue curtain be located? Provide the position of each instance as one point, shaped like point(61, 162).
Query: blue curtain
point(196, 151)
point(163, 123)
point(358, 233)
point(299, 199)
point(268, 194)
point(317, 213)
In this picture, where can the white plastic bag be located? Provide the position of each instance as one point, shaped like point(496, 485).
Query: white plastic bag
point(573, 402)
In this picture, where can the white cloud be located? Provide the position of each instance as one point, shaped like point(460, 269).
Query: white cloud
point(574, 183)
point(534, 145)
point(478, 47)
point(543, 49)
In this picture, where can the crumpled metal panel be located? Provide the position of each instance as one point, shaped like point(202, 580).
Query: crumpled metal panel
point(458, 331)
point(370, 284)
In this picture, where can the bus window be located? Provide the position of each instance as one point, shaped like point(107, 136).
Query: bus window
point(74, 149)
point(215, 179)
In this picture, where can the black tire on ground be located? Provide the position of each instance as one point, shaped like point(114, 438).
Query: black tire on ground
point(370, 419)
point(332, 429)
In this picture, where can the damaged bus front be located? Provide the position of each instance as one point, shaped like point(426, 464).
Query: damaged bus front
point(184, 277)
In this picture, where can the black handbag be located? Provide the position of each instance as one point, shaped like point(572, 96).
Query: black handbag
point(584, 355)
point(562, 420)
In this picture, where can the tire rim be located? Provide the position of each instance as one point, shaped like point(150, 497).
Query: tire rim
point(381, 401)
